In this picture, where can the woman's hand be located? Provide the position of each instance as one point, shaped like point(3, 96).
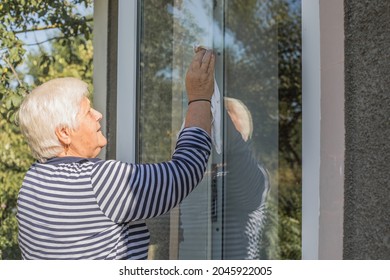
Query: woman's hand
point(200, 86)
point(200, 75)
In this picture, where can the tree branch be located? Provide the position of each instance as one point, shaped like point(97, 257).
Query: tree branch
point(40, 28)
point(51, 39)
point(12, 68)
point(37, 28)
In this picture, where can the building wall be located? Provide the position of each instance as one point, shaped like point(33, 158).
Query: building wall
point(367, 119)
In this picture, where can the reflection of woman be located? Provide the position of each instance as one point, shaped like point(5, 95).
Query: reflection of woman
point(240, 116)
point(246, 187)
point(73, 205)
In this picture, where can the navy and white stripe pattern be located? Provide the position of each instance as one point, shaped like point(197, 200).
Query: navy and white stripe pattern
point(75, 208)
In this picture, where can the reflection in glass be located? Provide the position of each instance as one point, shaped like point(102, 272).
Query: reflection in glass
point(246, 187)
point(248, 205)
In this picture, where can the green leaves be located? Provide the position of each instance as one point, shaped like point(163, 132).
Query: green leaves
point(15, 159)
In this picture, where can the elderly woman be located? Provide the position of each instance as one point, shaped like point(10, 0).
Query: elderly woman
point(73, 205)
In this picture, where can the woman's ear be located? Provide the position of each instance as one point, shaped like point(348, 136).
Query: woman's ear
point(63, 135)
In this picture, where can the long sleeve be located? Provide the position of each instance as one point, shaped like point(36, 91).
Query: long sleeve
point(128, 192)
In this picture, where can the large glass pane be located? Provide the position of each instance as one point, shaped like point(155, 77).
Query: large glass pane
point(249, 203)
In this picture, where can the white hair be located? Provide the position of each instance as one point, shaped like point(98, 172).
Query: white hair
point(54, 104)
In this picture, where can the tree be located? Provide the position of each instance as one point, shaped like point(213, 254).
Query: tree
point(14, 161)
point(69, 54)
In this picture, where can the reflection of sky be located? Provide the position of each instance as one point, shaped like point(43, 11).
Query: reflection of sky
point(202, 16)
point(198, 17)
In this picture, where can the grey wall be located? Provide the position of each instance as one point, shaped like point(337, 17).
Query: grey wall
point(367, 120)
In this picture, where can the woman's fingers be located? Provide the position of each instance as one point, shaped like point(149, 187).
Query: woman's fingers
point(197, 60)
point(203, 59)
point(206, 61)
point(209, 61)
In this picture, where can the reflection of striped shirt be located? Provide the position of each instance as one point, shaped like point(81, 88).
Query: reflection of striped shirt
point(76, 208)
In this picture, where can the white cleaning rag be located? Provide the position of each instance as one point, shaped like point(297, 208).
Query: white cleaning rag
point(216, 119)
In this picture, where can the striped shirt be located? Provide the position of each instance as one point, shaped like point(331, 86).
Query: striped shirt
point(78, 208)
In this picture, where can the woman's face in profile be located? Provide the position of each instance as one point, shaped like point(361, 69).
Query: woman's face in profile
point(87, 139)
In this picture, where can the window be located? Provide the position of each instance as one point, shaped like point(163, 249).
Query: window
point(249, 202)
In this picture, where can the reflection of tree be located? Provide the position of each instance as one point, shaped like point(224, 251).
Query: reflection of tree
point(290, 129)
point(155, 101)
point(262, 68)
point(155, 56)
point(290, 90)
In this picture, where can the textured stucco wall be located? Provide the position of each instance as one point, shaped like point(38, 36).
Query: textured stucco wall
point(367, 120)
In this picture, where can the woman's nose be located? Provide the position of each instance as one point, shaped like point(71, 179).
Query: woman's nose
point(97, 114)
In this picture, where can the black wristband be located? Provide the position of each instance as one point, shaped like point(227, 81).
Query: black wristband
point(195, 100)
